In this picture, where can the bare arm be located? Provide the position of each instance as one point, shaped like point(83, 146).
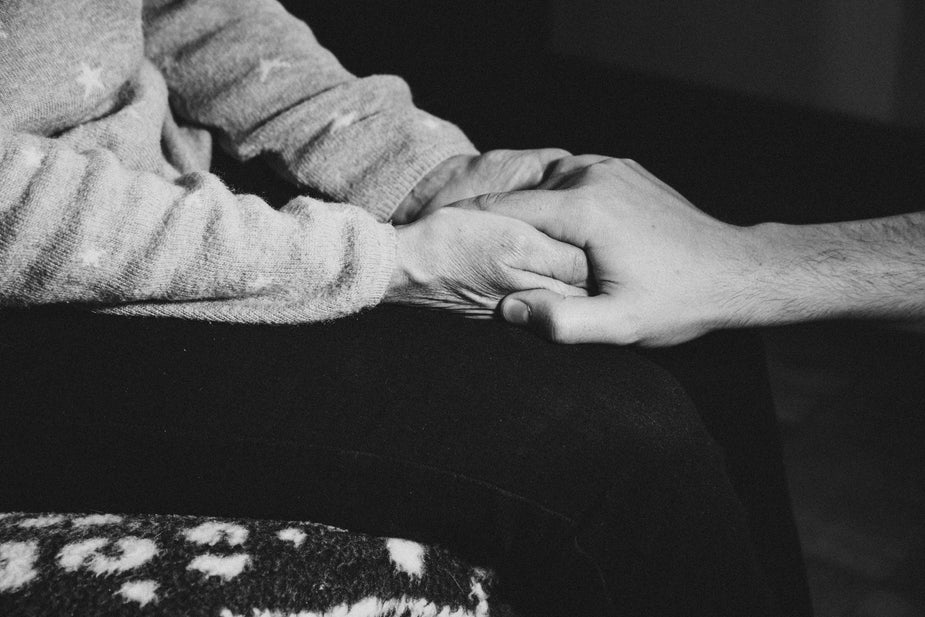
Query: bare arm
point(667, 272)
point(866, 269)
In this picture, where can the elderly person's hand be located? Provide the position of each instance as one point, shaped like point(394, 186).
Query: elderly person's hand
point(664, 271)
point(465, 176)
point(466, 262)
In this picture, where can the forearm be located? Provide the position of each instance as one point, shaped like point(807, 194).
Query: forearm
point(81, 228)
point(258, 77)
point(861, 269)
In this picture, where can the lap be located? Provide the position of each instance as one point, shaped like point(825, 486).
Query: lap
point(471, 434)
point(398, 384)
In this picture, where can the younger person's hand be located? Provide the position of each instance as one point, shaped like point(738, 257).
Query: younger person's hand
point(665, 272)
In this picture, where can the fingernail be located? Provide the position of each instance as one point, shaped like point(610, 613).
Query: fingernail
point(516, 312)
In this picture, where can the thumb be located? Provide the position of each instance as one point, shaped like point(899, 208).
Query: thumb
point(562, 319)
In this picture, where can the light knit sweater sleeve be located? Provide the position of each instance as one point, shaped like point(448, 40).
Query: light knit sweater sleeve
point(81, 228)
point(257, 75)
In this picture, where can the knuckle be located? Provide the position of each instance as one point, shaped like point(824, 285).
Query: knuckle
point(498, 276)
point(533, 168)
point(559, 165)
point(579, 266)
point(620, 337)
point(556, 327)
point(624, 331)
point(558, 287)
point(634, 165)
point(485, 201)
point(497, 156)
point(591, 160)
point(555, 153)
point(479, 202)
point(515, 241)
point(599, 169)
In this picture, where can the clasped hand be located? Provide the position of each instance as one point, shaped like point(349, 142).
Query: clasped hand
point(466, 261)
point(599, 251)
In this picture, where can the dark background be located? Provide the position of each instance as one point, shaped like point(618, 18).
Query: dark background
point(860, 57)
point(795, 110)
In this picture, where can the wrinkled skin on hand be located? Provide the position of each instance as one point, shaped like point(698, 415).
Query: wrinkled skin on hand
point(463, 176)
point(465, 262)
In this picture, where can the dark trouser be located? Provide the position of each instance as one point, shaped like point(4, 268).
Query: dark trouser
point(583, 474)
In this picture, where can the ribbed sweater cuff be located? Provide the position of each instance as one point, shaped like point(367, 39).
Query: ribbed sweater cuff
point(387, 184)
point(378, 265)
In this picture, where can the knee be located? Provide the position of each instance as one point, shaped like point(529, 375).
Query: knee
point(644, 418)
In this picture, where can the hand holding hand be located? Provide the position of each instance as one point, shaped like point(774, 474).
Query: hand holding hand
point(665, 272)
point(462, 177)
point(466, 262)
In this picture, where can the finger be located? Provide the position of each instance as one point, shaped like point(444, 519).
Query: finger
point(564, 319)
point(558, 260)
point(529, 167)
point(531, 280)
point(549, 156)
point(560, 169)
point(544, 210)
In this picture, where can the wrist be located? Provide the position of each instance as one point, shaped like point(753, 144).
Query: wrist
point(791, 282)
point(402, 280)
point(424, 191)
point(724, 288)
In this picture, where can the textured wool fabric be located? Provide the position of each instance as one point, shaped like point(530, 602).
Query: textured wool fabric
point(106, 564)
point(106, 115)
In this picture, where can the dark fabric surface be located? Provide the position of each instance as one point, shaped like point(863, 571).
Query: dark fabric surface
point(556, 465)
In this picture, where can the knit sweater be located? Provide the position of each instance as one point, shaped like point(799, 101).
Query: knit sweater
point(107, 112)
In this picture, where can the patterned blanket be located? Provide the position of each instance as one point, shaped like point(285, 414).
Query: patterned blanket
point(104, 564)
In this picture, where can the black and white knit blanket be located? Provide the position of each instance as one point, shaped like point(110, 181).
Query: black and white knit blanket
point(105, 564)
